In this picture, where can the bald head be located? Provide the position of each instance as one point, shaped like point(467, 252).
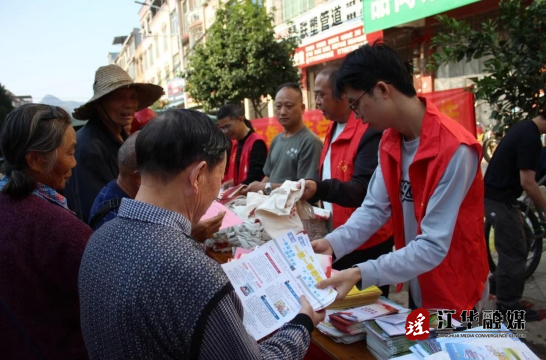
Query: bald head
point(127, 156)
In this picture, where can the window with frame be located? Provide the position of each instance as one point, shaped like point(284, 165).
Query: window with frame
point(293, 8)
point(176, 64)
point(165, 37)
point(150, 55)
point(156, 42)
point(174, 23)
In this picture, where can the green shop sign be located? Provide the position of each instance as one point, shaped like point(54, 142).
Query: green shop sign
point(383, 14)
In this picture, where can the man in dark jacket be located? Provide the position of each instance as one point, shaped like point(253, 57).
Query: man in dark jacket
point(114, 103)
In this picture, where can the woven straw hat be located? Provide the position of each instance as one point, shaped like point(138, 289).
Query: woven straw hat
point(110, 78)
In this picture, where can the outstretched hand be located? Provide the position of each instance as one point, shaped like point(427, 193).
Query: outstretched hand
point(343, 281)
point(322, 246)
point(316, 316)
point(206, 229)
point(310, 190)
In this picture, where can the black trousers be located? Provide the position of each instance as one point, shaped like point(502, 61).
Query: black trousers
point(360, 256)
point(508, 281)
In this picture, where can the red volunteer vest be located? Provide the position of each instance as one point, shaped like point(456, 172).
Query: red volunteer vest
point(244, 163)
point(458, 282)
point(342, 160)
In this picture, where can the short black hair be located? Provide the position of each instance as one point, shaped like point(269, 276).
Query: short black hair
point(177, 139)
point(293, 86)
point(233, 111)
point(229, 110)
point(365, 66)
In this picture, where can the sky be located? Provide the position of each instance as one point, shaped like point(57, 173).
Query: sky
point(55, 46)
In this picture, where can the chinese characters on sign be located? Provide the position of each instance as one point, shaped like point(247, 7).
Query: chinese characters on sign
point(321, 18)
point(334, 47)
point(384, 14)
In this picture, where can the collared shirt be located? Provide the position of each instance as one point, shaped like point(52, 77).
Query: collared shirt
point(149, 291)
point(45, 192)
point(111, 191)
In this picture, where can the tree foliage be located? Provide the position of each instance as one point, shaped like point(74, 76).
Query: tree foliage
point(5, 105)
point(515, 50)
point(240, 58)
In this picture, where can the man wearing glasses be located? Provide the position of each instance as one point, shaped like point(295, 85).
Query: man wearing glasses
point(347, 163)
point(248, 152)
point(428, 180)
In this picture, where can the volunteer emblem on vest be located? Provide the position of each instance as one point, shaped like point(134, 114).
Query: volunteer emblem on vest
point(342, 165)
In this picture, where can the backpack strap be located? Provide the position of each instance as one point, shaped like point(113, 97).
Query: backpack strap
point(105, 209)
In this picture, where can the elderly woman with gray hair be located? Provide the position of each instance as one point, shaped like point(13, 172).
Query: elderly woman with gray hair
point(41, 240)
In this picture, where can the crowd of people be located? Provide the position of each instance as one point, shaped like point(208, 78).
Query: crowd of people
point(101, 248)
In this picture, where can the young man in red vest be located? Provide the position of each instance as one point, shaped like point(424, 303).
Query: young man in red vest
point(428, 180)
point(248, 151)
point(347, 163)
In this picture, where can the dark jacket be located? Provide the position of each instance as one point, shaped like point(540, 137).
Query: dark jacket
point(97, 157)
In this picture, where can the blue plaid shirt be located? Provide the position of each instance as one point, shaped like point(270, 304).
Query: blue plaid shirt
point(45, 192)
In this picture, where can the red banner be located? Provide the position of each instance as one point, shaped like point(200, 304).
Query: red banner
point(458, 104)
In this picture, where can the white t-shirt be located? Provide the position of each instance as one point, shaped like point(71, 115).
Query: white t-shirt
point(327, 168)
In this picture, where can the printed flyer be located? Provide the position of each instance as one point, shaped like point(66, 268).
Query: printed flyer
point(270, 280)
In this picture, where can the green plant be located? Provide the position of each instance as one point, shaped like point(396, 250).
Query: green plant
point(515, 53)
point(240, 59)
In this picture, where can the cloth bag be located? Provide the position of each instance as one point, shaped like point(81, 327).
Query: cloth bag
point(282, 211)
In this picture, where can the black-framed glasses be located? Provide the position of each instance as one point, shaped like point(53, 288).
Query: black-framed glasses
point(354, 105)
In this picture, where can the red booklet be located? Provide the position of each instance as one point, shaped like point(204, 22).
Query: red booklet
point(230, 194)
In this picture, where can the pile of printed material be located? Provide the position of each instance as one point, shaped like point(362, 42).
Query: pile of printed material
point(347, 325)
point(387, 335)
point(357, 297)
point(472, 344)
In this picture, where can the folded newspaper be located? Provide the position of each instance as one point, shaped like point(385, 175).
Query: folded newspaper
point(270, 280)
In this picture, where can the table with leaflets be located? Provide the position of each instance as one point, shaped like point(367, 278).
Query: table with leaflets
point(322, 347)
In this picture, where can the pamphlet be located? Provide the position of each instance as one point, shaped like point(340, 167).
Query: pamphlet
point(270, 280)
point(230, 219)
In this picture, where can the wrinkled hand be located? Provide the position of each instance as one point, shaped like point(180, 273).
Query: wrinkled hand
point(253, 187)
point(206, 229)
point(316, 316)
point(343, 281)
point(227, 184)
point(310, 190)
point(322, 246)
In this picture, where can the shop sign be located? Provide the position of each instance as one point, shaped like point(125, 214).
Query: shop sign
point(333, 47)
point(321, 19)
point(384, 14)
point(175, 90)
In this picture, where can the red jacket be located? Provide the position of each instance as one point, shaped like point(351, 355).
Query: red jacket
point(342, 159)
point(244, 163)
point(458, 282)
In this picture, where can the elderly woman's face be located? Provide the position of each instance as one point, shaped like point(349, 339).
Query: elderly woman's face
point(121, 105)
point(62, 170)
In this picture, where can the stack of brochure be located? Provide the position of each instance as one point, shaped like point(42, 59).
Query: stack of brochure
point(351, 320)
point(346, 325)
point(387, 335)
point(327, 328)
point(270, 280)
point(357, 297)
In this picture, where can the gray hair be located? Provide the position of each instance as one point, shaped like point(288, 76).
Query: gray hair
point(30, 127)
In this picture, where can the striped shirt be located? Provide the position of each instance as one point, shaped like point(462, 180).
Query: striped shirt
point(148, 291)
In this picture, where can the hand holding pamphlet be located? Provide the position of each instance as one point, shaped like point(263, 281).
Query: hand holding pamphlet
point(270, 280)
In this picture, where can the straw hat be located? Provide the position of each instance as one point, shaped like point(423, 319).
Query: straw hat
point(110, 78)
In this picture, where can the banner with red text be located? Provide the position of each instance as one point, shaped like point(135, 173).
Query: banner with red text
point(458, 104)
